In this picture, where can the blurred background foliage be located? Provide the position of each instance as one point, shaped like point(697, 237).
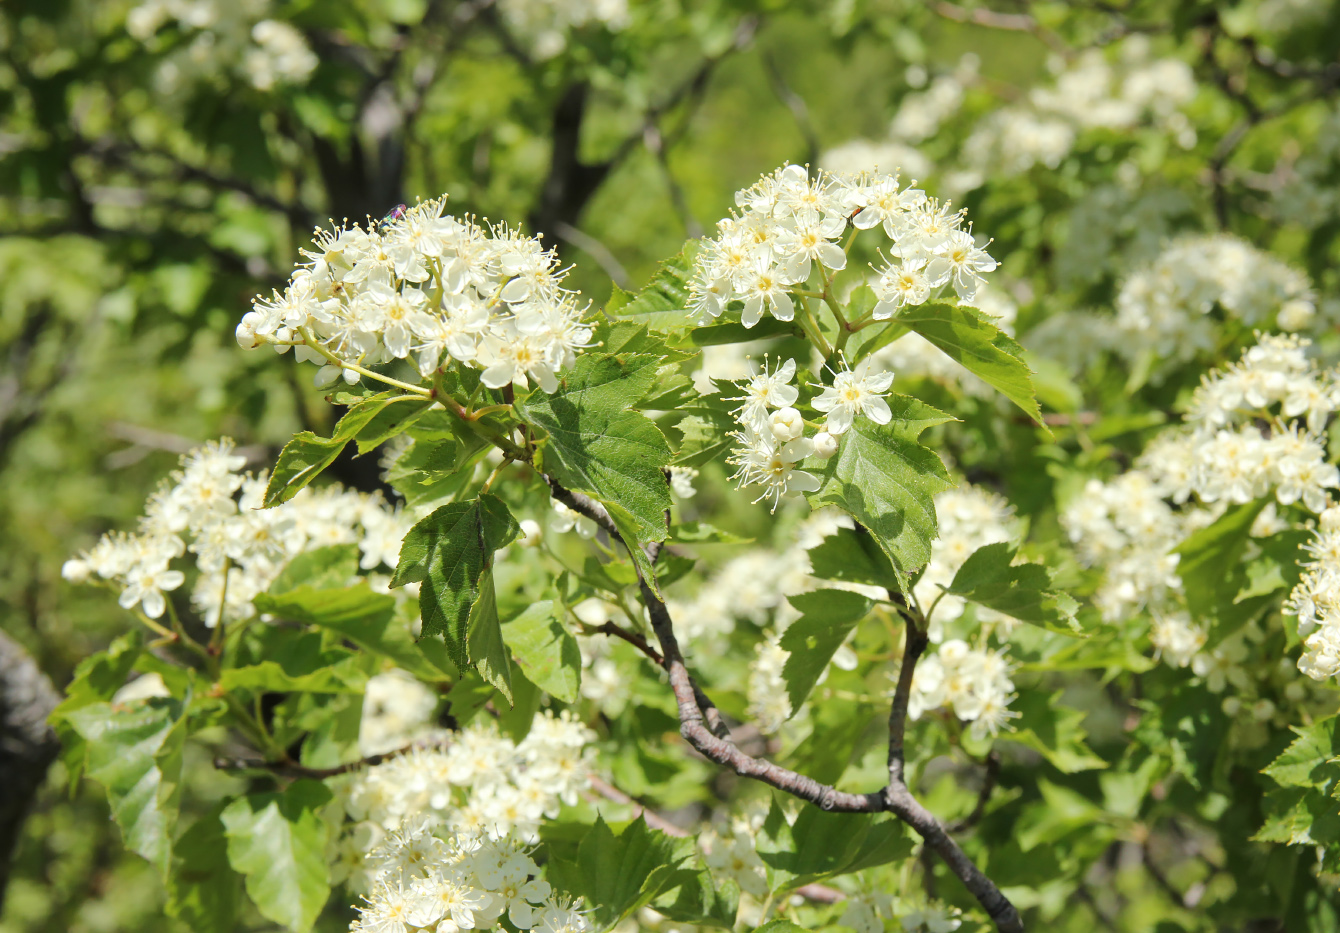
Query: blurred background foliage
point(152, 183)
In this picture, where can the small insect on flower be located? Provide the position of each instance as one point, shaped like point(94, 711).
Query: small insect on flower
point(394, 214)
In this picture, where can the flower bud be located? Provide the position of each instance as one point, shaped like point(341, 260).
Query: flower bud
point(1330, 519)
point(1231, 706)
point(1262, 710)
point(787, 424)
point(326, 376)
point(1295, 692)
point(246, 331)
point(1295, 315)
point(530, 533)
point(825, 445)
point(76, 570)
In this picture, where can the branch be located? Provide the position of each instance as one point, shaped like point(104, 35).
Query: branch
point(799, 110)
point(27, 744)
point(596, 250)
point(696, 721)
point(915, 643)
point(983, 796)
point(1011, 22)
point(633, 638)
point(293, 769)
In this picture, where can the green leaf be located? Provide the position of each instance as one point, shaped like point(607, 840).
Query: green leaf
point(662, 302)
point(887, 481)
point(1213, 574)
point(705, 431)
point(595, 445)
point(822, 844)
point(695, 897)
point(301, 663)
point(96, 678)
point(620, 874)
point(972, 340)
point(1295, 816)
point(449, 553)
point(990, 578)
point(827, 617)
point(278, 842)
point(320, 568)
point(366, 618)
point(852, 556)
point(301, 461)
point(203, 890)
point(135, 753)
point(714, 335)
point(703, 533)
point(1053, 730)
point(780, 926)
point(372, 420)
point(545, 651)
point(1310, 761)
point(484, 639)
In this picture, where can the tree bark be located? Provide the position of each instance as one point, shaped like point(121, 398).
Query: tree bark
point(28, 744)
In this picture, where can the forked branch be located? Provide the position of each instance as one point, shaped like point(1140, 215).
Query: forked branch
point(701, 725)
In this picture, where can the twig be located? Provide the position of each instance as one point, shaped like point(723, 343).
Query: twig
point(694, 726)
point(596, 250)
point(1160, 878)
point(652, 818)
point(297, 770)
point(633, 638)
point(1012, 22)
point(800, 111)
point(983, 796)
point(147, 439)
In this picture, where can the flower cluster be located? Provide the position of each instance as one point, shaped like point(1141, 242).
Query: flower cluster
point(969, 518)
point(222, 36)
point(772, 438)
point(1125, 527)
point(788, 229)
point(213, 510)
point(397, 707)
point(544, 25)
point(441, 288)
point(481, 782)
point(1163, 308)
point(1254, 427)
point(435, 880)
point(1315, 601)
point(974, 682)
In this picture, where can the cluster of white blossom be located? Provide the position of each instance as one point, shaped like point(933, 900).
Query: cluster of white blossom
point(429, 878)
point(969, 518)
point(1163, 309)
point(544, 25)
point(772, 438)
point(221, 37)
point(866, 913)
point(423, 283)
point(1090, 92)
point(213, 510)
point(974, 682)
point(1125, 527)
point(479, 782)
point(1254, 427)
point(1315, 601)
point(397, 708)
point(788, 230)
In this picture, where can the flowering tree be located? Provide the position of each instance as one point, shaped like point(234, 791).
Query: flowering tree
point(858, 570)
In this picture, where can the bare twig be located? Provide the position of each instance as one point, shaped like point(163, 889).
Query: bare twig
point(983, 796)
point(296, 770)
point(800, 111)
point(1011, 22)
point(596, 250)
point(633, 638)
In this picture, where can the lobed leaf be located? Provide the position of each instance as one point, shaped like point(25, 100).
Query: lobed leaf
point(971, 339)
point(545, 651)
point(887, 481)
point(827, 618)
point(989, 577)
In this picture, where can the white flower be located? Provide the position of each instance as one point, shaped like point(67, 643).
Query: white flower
point(767, 390)
point(855, 392)
point(960, 261)
point(531, 533)
point(145, 587)
point(903, 285)
point(762, 461)
point(787, 424)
